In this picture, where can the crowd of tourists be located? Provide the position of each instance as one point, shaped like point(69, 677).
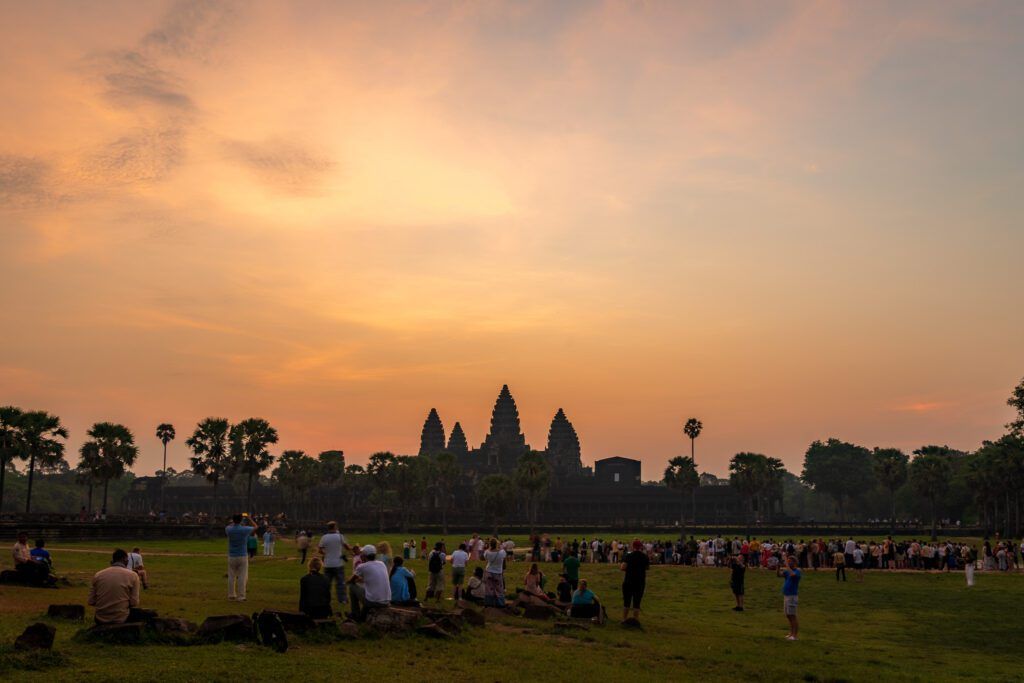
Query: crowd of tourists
point(363, 578)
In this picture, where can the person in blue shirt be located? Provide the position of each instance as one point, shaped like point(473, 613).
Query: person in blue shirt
point(790, 587)
point(402, 583)
point(584, 603)
point(41, 554)
point(238, 558)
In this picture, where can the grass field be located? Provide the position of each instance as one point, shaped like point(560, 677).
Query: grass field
point(894, 626)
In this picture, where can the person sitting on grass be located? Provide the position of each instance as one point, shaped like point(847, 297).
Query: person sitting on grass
point(136, 565)
point(114, 591)
point(739, 570)
point(564, 591)
point(475, 589)
point(403, 585)
point(315, 592)
point(369, 585)
point(533, 581)
point(790, 588)
point(41, 554)
point(29, 571)
point(585, 604)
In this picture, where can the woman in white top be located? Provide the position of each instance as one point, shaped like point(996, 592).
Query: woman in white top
point(494, 577)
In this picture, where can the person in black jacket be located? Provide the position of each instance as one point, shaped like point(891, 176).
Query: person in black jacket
point(315, 592)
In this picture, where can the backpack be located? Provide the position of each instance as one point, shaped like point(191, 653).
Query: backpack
point(270, 630)
point(435, 564)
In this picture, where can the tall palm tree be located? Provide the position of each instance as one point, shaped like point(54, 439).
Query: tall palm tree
point(211, 456)
point(890, 465)
point(692, 429)
point(40, 432)
point(496, 494)
point(930, 474)
point(10, 442)
point(332, 474)
point(443, 475)
point(164, 432)
point(115, 452)
point(380, 470)
point(681, 475)
point(533, 476)
point(90, 467)
point(748, 475)
point(249, 441)
point(295, 473)
point(409, 477)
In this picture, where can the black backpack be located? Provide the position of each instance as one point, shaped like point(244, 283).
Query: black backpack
point(435, 564)
point(270, 631)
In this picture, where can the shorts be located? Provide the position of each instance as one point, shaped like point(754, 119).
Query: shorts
point(632, 594)
point(436, 584)
point(458, 575)
point(737, 588)
point(789, 605)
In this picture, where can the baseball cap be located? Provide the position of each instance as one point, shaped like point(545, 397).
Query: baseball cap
point(368, 550)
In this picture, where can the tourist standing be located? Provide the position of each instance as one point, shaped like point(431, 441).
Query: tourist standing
point(739, 570)
point(635, 565)
point(839, 562)
point(571, 565)
point(790, 589)
point(435, 568)
point(268, 542)
point(239, 536)
point(136, 564)
point(332, 545)
point(302, 544)
point(459, 559)
point(494, 580)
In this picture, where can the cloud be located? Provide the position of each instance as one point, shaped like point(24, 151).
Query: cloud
point(135, 81)
point(24, 182)
point(144, 156)
point(283, 165)
point(190, 28)
point(922, 406)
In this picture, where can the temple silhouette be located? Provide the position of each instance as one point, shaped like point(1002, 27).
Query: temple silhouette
point(612, 493)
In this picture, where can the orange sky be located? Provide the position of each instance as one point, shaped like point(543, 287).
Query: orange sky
point(792, 220)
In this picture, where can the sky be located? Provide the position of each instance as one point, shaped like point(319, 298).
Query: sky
point(792, 220)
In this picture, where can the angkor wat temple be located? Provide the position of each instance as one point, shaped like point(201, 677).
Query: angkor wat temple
point(610, 494)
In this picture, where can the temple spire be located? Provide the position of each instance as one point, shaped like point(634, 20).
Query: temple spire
point(457, 443)
point(432, 437)
point(564, 447)
point(505, 442)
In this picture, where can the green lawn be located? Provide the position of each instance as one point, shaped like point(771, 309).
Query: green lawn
point(900, 626)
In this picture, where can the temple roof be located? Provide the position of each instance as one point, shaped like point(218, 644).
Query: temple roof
point(432, 437)
point(457, 441)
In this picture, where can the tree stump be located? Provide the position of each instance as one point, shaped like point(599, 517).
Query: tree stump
point(72, 612)
point(36, 637)
point(471, 617)
point(172, 625)
point(539, 612)
point(292, 621)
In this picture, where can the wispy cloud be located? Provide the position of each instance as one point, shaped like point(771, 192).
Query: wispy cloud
point(285, 166)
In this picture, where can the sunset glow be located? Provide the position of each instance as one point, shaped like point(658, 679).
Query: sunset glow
point(791, 220)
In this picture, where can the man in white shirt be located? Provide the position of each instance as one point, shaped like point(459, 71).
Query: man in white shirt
point(136, 565)
point(371, 585)
point(332, 546)
point(459, 559)
point(848, 551)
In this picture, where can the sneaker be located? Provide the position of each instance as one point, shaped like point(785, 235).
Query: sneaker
point(788, 637)
point(241, 599)
point(231, 597)
point(737, 609)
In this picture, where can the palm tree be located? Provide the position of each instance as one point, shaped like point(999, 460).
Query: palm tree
point(891, 469)
point(380, 470)
point(40, 432)
point(533, 476)
point(748, 475)
point(332, 473)
point(409, 475)
point(496, 494)
point(681, 475)
point(443, 475)
point(112, 448)
point(249, 441)
point(930, 474)
point(295, 473)
point(211, 459)
point(164, 432)
point(10, 442)
point(692, 429)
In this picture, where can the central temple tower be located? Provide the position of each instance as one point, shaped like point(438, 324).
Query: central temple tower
point(505, 442)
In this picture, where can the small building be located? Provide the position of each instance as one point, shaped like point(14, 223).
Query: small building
point(617, 471)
